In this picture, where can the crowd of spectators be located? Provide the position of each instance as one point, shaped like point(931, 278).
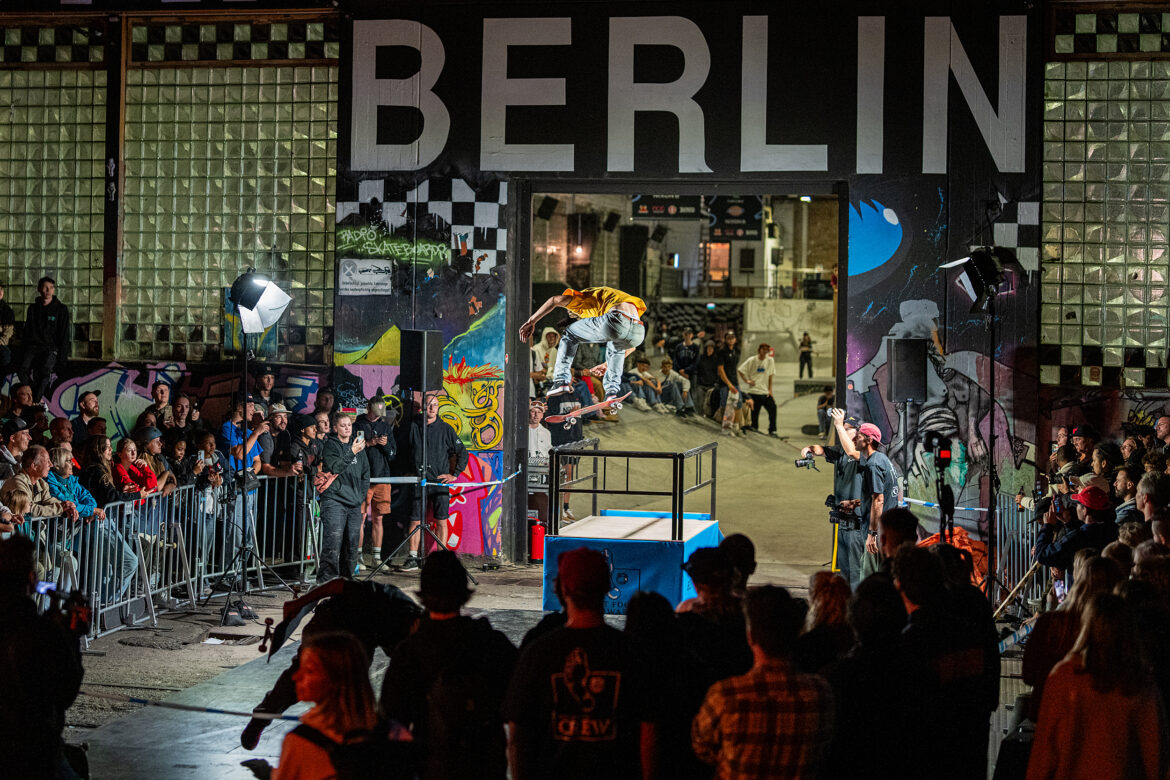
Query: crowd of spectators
point(737, 682)
point(694, 375)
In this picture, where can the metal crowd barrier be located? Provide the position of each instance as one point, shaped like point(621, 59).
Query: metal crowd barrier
point(166, 553)
point(1015, 538)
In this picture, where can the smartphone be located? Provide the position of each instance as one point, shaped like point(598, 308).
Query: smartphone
point(45, 587)
point(359, 437)
point(201, 458)
point(1059, 588)
point(1057, 506)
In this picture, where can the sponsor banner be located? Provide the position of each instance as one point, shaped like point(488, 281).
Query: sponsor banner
point(365, 277)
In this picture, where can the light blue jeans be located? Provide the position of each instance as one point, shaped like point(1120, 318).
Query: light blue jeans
point(617, 331)
point(672, 395)
point(647, 394)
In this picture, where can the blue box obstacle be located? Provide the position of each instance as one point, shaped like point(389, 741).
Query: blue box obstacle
point(640, 552)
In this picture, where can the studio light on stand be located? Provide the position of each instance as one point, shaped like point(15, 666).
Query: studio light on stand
point(983, 276)
point(259, 304)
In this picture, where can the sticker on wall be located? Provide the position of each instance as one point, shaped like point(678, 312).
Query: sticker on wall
point(875, 235)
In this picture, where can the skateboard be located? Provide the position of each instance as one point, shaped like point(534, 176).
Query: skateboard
point(567, 419)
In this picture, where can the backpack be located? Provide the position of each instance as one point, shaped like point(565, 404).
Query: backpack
point(463, 715)
point(364, 755)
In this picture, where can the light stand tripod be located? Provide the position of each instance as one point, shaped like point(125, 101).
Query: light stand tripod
point(421, 496)
point(238, 567)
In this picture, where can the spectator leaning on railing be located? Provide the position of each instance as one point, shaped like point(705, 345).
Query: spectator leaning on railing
point(131, 472)
point(30, 480)
point(97, 473)
point(64, 486)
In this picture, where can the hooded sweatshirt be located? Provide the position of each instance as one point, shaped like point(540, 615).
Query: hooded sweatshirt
point(547, 354)
point(47, 326)
point(353, 472)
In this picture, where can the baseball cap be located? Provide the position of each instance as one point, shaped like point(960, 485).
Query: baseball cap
point(443, 575)
point(852, 420)
point(1085, 431)
point(1092, 498)
point(709, 343)
point(277, 408)
point(266, 371)
point(582, 571)
point(709, 566)
point(13, 425)
point(870, 430)
point(95, 393)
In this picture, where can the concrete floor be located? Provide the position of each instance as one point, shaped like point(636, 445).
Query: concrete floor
point(759, 492)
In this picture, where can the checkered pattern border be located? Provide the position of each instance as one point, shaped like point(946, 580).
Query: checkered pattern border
point(476, 217)
point(1079, 33)
point(1018, 229)
point(68, 45)
point(233, 41)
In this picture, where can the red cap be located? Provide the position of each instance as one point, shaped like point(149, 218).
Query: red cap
point(872, 431)
point(583, 571)
point(1092, 498)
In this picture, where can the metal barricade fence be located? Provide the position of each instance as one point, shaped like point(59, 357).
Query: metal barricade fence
point(165, 553)
point(1015, 538)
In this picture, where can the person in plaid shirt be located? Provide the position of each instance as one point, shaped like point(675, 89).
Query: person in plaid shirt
point(772, 722)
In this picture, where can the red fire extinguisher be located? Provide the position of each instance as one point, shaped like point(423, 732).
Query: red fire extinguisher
point(536, 541)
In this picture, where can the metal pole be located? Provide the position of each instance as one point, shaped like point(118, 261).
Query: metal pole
point(554, 492)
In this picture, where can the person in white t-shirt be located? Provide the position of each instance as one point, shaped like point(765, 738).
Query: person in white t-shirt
point(539, 439)
point(755, 374)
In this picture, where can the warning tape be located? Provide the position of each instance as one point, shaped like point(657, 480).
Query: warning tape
point(450, 485)
point(188, 707)
point(933, 505)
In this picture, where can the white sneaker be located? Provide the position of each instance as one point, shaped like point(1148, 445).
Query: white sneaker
point(727, 432)
point(661, 408)
point(671, 408)
point(558, 390)
point(641, 405)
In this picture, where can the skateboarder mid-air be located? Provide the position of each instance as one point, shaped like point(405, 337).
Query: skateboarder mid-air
point(604, 316)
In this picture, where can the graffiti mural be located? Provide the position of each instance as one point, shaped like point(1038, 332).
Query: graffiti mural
point(429, 256)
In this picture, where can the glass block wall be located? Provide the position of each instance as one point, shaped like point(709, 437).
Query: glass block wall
point(1105, 223)
point(226, 168)
point(52, 146)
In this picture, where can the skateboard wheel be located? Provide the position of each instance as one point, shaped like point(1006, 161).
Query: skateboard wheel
point(568, 426)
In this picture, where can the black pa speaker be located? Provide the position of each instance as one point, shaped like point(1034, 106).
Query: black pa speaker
point(421, 354)
point(658, 234)
point(546, 208)
point(907, 370)
point(611, 221)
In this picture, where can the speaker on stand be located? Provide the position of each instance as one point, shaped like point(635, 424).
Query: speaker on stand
point(421, 360)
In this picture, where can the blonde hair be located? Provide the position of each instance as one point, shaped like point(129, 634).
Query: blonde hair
point(828, 600)
point(19, 502)
point(60, 458)
point(345, 662)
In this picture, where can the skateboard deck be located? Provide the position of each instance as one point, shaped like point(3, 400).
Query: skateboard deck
point(567, 419)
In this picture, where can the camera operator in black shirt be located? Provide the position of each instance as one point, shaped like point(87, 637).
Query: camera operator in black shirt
point(41, 673)
point(845, 503)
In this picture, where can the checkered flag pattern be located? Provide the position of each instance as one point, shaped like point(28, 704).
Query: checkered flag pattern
point(476, 217)
point(235, 41)
point(1018, 229)
point(45, 45)
point(1079, 34)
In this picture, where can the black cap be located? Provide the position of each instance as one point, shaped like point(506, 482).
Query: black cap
point(1085, 431)
point(852, 420)
point(302, 421)
point(266, 370)
point(84, 393)
point(709, 566)
point(13, 425)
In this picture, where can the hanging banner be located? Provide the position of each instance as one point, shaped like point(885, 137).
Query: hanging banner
point(735, 217)
point(666, 206)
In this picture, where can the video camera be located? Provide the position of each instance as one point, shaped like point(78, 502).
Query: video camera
point(836, 516)
point(71, 611)
point(806, 463)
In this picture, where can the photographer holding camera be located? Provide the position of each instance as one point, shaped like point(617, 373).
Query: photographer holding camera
point(844, 505)
point(41, 673)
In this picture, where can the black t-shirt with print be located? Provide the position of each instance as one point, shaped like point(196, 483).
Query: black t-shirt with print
point(564, 404)
point(584, 695)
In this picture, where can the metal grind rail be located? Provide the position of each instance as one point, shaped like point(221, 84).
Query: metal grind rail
point(679, 487)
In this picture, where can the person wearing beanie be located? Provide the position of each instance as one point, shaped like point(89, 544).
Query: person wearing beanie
point(440, 663)
point(579, 704)
point(879, 492)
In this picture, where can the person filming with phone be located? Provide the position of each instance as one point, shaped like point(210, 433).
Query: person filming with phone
point(342, 485)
